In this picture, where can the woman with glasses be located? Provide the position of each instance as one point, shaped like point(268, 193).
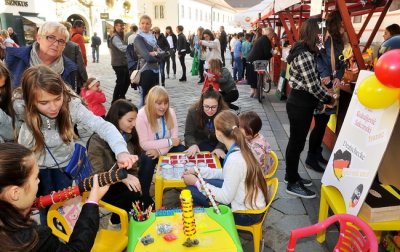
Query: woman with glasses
point(199, 127)
point(46, 50)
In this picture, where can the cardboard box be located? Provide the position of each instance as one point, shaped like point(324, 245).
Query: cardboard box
point(380, 205)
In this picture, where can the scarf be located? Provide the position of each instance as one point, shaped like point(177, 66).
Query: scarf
point(149, 38)
point(57, 65)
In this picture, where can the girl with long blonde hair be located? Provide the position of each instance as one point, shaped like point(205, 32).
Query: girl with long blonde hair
point(157, 128)
point(243, 185)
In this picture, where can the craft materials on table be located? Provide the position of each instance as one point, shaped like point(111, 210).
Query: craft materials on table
point(214, 232)
point(139, 213)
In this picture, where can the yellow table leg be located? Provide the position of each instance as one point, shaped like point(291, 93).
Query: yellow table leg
point(158, 191)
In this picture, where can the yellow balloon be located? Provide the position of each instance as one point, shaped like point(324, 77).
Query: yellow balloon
point(373, 94)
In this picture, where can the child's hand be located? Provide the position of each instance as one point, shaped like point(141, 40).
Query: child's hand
point(220, 153)
point(189, 179)
point(193, 150)
point(153, 153)
point(189, 171)
point(125, 159)
point(97, 192)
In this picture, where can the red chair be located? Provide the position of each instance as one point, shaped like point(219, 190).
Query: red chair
point(355, 234)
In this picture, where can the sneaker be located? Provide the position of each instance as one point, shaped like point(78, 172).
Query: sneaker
point(114, 227)
point(299, 190)
point(168, 76)
point(174, 77)
point(312, 163)
point(305, 182)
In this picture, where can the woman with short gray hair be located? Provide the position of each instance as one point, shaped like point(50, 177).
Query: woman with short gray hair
point(47, 50)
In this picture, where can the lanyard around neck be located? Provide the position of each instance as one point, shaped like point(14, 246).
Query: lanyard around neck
point(231, 149)
point(163, 129)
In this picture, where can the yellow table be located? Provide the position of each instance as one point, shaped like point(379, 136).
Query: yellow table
point(332, 198)
point(161, 184)
point(214, 233)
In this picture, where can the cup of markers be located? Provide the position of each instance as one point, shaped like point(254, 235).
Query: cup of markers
point(138, 212)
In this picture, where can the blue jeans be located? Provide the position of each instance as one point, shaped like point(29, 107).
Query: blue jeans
point(95, 53)
point(198, 198)
point(237, 68)
point(51, 180)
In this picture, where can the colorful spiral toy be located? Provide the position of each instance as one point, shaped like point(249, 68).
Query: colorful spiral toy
point(189, 223)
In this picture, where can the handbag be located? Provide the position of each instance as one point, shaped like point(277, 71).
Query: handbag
point(135, 76)
point(79, 166)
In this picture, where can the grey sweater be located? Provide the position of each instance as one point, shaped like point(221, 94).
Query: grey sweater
point(61, 151)
point(6, 129)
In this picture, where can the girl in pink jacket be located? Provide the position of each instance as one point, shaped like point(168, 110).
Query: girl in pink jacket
point(94, 97)
point(157, 128)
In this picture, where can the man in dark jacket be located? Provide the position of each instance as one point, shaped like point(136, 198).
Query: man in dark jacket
point(261, 50)
point(223, 40)
point(164, 52)
point(96, 42)
point(119, 61)
point(181, 48)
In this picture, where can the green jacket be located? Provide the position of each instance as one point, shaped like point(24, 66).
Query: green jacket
point(101, 156)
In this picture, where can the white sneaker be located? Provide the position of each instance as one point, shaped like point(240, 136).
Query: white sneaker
point(114, 227)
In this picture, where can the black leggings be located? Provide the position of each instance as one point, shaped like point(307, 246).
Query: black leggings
point(122, 82)
point(172, 56)
point(230, 97)
point(120, 196)
point(201, 70)
point(148, 79)
point(300, 120)
point(182, 61)
point(317, 133)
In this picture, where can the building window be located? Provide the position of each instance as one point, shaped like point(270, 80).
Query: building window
point(201, 15)
point(223, 18)
point(182, 11)
point(213, 16)
point(162, 12)
point(197, 14)
point(357, 19)
point(218, 17)
point(156, 11)
point(159, 11)
point(190, 12)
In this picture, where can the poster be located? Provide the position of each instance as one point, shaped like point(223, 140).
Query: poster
point(359, 149)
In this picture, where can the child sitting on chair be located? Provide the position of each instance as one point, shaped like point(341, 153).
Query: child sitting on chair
point(250, 124)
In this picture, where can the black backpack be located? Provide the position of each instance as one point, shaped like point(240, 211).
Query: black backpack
point(188, 48)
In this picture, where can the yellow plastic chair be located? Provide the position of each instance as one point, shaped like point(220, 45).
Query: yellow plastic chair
point(274, 165)
point(256, 229)
point(331, 198)
point(106, 240)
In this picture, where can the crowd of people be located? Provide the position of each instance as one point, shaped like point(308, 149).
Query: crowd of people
point(45, 93)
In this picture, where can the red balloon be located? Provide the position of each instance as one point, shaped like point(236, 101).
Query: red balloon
point(387, 69)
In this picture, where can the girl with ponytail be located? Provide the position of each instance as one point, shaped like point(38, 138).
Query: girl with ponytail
point(243, 185)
